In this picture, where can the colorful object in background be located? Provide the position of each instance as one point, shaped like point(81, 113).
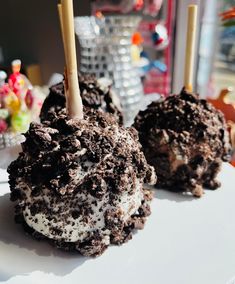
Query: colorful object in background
point(160, 37)
point(3, 76)
point(149, 7)
point(137, 38)
point(29, 99)
point(141, 59)
point(16, 100)
point(18, 82)
point(20, 121)
point(155, 34)
point(138, 5)
point(3, 126)
point(136, 47)
point(155, 64)
point(228, 17)
point(157, 50)
point(225, 104)
point(12, 102)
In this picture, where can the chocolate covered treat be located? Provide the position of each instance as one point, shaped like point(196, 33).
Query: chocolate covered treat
point(186, 139)
point(94, 93)
point(79, 183)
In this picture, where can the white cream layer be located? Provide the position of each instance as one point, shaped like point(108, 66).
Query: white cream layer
point(75, 229)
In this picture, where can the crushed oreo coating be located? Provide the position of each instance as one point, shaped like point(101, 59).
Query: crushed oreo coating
point(79, 183)
point(186, 139)
point(93, 95)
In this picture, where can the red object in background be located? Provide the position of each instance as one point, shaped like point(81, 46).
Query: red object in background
point(160, 40)
point(3, 126)
point(220, 103)
point(15, 82)
point(4, 90)
point(138, 5)
point(157, 82)
point(227, 15)
point(137, 38)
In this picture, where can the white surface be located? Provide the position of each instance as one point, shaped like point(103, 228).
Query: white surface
point(185, 241)
point(3, 177)
point(8, 155)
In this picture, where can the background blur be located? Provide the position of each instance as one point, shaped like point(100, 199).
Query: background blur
point(30, 31)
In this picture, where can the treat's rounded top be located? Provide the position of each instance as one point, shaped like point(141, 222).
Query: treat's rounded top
point(185, 118)
point(94, 93)
point(64, 154)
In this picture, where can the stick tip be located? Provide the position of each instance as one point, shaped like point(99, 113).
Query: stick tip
point(192, 6)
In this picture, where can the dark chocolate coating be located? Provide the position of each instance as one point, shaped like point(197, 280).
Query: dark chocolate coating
point(92, 96)
point(186, 139)
point(53, 155)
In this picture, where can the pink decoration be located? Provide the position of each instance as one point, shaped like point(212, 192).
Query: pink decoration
point(16, 83)
point(3, 126)
point(29, 99)
point(4, 91)
point(152, 7)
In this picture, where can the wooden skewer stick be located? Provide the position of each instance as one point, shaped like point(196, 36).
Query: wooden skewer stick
point(73, 98)
point(190, 47)
point(61, 18)
point(60, 12)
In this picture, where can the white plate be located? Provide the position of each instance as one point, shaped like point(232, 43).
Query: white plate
point(8, 155)
point(185, 241)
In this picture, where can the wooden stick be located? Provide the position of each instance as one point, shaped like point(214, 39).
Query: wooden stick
point(74, 101)
point(61, 17)
point(60, 12)
point(190, 47)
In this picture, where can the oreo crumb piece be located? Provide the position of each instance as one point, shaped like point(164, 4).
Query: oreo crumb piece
point(113, 221)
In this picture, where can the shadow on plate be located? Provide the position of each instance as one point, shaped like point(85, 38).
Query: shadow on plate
point(21, 254)
point(172, 196)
